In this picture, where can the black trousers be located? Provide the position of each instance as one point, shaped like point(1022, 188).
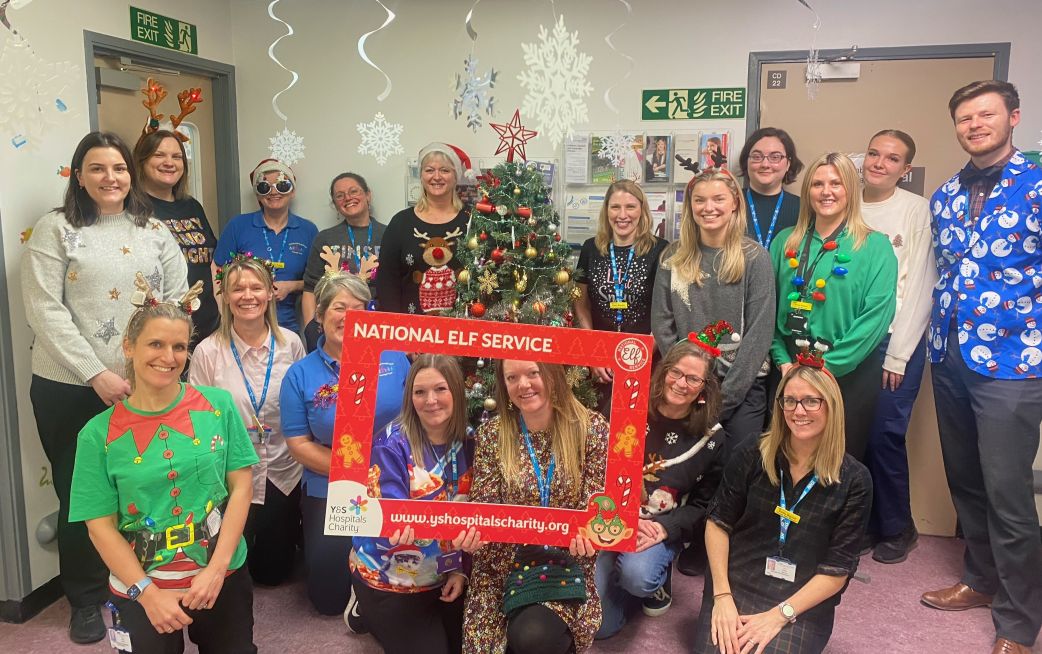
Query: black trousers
point(226, 628)
point(989, 439)
point(406, 623)
point(326, 560)
point(61, 410)
point(272, 532)
point(860, 388)
point(748, 419)
point(536, 628)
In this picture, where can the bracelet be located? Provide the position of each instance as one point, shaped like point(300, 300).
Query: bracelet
point(719, 595)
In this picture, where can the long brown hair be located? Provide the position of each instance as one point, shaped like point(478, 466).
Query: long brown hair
point(79, 208)
point(409, 420)
point(147, 146)
point(856, 226)
point(645, 240)
point(702, 416)
point(568, 426)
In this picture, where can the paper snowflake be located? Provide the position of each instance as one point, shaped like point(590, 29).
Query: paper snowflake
point(472, 93)
point(287, 147)
point(615, 147)
point(31, 92)
point(380, 138)
point(556, 82)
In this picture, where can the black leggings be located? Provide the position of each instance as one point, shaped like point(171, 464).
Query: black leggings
point(405, 623)
point(325, 557)
point(536, 628)
point(272, 533)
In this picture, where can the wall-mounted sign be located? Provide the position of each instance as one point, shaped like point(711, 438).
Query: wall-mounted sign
point(154, 29)
point(692, 104)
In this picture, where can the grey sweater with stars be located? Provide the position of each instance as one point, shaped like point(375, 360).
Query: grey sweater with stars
point(77, 284)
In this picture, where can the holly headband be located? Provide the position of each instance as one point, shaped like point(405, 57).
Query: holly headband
point(154, 94)
point(143, 297)
point(238, 257)
point(709, 338)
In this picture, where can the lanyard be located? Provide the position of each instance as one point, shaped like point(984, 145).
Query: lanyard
point(276, 263)
point(784, 522)
point(257, 406)
point(542, 480)
point(354, 248)
point(620, 279)
point(806, 268)
point(756, 222)
point(442, 462)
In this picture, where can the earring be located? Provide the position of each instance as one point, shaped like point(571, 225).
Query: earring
point(701, 398)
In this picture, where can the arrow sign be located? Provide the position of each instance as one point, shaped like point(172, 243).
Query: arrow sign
point(654, 104)
point(692, 104)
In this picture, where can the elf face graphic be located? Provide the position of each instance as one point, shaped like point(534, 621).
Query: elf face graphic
point(605, 529)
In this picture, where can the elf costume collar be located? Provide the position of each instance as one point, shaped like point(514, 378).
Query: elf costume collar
point(144, 425)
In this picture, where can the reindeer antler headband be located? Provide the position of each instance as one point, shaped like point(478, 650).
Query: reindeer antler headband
point(155, 93)
point(144, 298)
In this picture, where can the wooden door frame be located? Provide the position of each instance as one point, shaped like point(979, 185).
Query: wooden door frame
point(226, 146)
point(1000, 51)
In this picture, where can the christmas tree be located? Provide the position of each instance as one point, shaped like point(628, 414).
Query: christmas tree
point(515, 265)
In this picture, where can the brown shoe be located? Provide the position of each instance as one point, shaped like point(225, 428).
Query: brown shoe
point(1006, 646)
point(957, 598)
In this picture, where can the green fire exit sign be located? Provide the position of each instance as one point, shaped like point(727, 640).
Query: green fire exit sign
point(154, 29)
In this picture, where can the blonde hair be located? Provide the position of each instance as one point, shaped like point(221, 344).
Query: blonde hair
point(684, 258)
point(423, 204)
point(568, 426)
point(644, 240)
point(856, 226)
point(141, 317)
point(409, 420)
point(261, 271)
point(828, 456)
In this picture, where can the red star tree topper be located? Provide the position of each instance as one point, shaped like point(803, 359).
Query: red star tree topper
point(513, 136)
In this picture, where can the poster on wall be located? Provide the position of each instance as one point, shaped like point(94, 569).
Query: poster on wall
point(658, 206)
point(713, 148)
point(686, 157)
point(604, 168)
point(678, 212)
point(658, 151)
point(582, 211)
point(355, 506)
point(577, 159)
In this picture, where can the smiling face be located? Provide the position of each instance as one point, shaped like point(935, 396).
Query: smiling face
point(247, 296)
point(526, 389)
point(985, 128)
point(275, 202)
point(805, 426)
point(828, 196)
point(106, 179)
point(159, 354)
point(332, 321)
point(351, 200)
point(438, 176)
point(677, 393)
point(886, 162)
point(432, 399)
point(766, 177)
point(624, 213)
point(166, 166)
point(714, 207)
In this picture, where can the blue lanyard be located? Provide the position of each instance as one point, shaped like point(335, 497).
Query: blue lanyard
point(756, 223)
point(784, 522)
point(543, 480)
point(440, 463)
point(620, 280)
point(282, 251)
point(354, 248)
point(257, 406)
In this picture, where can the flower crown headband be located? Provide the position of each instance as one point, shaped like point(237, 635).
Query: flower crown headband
point(237, 257)
point(143, 297)
point(709, 338)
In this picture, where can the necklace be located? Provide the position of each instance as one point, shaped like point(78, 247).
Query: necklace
point(804, 268)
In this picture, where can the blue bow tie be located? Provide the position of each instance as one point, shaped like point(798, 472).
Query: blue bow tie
point(971, 175)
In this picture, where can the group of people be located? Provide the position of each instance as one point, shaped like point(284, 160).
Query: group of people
point(790, 348)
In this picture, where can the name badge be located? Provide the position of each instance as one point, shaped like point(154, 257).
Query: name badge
point(278, 265)
point(785, 513)
point(780, 568)
point(805, 306)
point(119, 639)
point(619, 305)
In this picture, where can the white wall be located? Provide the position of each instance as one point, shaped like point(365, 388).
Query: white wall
point(29, 185)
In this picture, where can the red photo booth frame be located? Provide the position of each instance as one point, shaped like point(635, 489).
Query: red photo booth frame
point(610, 519)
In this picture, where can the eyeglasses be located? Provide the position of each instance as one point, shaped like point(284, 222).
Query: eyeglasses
point(283, 186)
point(809, 404)
point(676, 374)
point(353, 193)
point(774, 157)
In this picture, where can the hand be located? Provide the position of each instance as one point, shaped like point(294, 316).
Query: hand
point(725, 625)
point(784, 368)
point(892, 380)
point(110, 387)
point(163, 608)
point(206, 586)
point(649, 533)
point(581, 546)
point(282, 291)
point(756, 631)
point(453, 587)
point(402, 536)
point(602, 375)
point(469, 541)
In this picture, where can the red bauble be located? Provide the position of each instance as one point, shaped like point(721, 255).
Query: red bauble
point(539, 307)
point(517, 244)
point(524, 212)
point(483, 236)
point(485, 207)
point(498, 255)
point(557, 238)
point(477, 309)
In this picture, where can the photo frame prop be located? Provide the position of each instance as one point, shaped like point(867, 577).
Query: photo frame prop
point(610, 517)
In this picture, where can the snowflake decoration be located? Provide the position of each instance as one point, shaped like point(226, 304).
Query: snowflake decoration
point(488, 282)
point(472, 93)
point(671, 438)
point(556, 81)
point(30, 94)
point(287, 147)
point(615, 147)
point(380, 138)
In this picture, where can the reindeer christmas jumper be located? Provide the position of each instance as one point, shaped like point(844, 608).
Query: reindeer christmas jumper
point(417, 266)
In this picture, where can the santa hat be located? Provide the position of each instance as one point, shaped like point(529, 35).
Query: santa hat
point(459, 159)
point(271, 166)
point(402, 549)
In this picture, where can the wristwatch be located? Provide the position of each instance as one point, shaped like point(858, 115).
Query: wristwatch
point(787, 612)
point(135, 591)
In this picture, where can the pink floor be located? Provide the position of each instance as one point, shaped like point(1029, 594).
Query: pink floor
point(883, 615)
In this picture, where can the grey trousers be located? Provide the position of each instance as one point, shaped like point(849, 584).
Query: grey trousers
point(989, 438)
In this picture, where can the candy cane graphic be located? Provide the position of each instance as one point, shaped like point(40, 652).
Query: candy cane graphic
point(626, 484)
point(358, 379)
point(633, 386)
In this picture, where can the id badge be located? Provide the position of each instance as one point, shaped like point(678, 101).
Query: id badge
point(278, 265)
point(800, 305)
point(119, 639)
point(780, 568)
point(796, 323)
point(619, 305)
point(213, 522)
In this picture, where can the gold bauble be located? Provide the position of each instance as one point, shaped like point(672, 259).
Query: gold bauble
point(576, 293)
point(550, 256)
point(489, 404)
point(562, 277)
point(531, 252)
point(472, 243)
point(464, 276)
point(516, 303)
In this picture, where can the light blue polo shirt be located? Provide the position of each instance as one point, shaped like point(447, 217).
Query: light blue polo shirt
point(248, 233)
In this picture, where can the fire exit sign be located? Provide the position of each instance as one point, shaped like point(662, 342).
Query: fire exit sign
point(692, 104)
point(154, 29)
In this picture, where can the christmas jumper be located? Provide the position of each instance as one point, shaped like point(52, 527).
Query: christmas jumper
point(402, 267)
point(595, 270)
point(164, 476)
point(77, 284)
point(352, 253)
